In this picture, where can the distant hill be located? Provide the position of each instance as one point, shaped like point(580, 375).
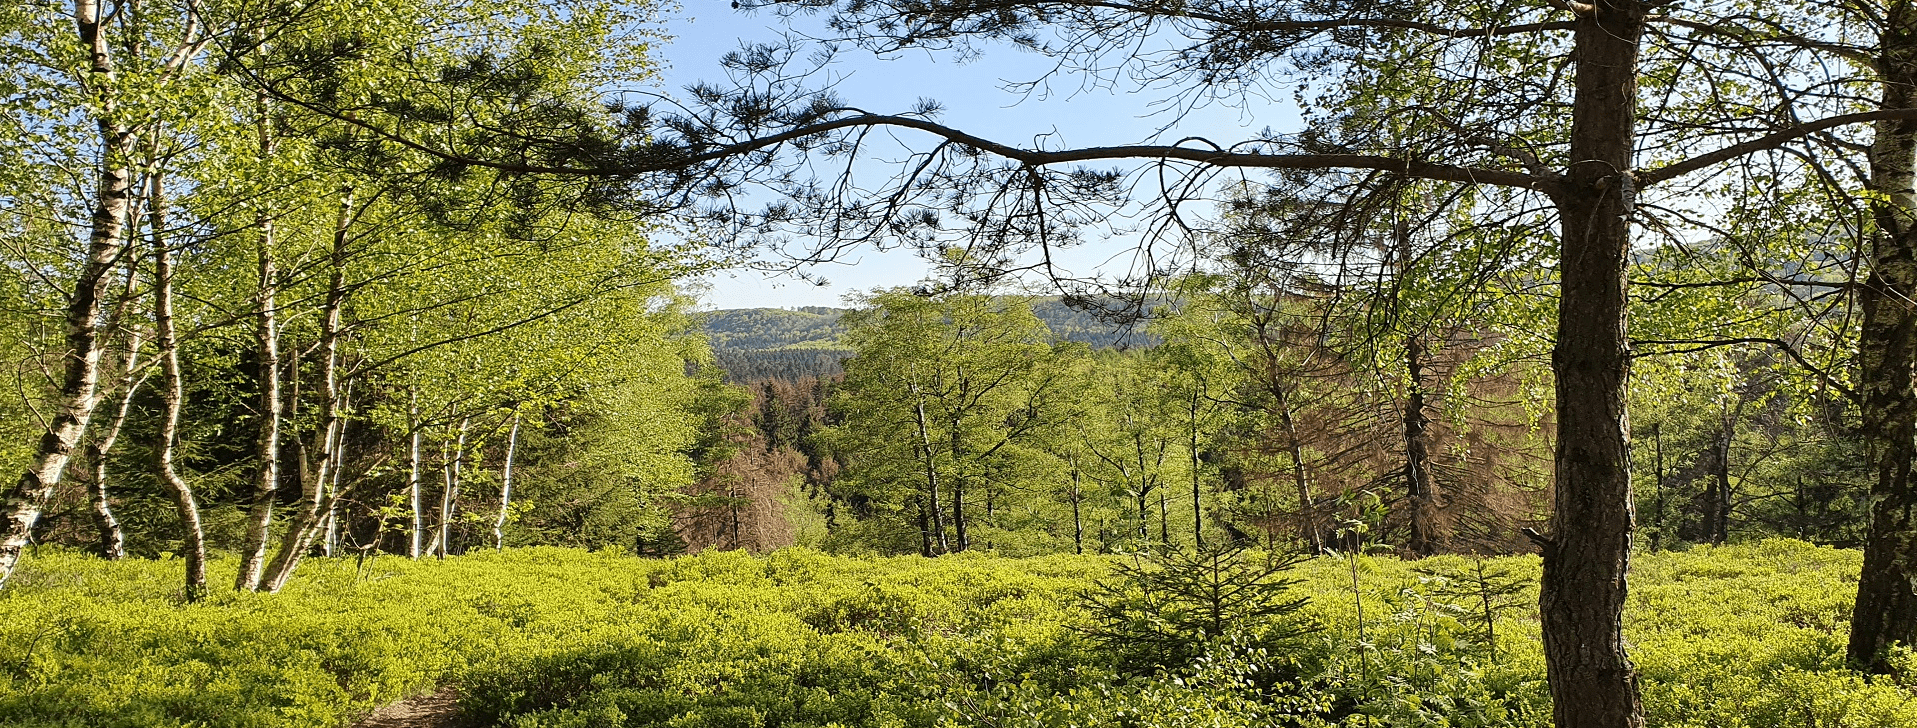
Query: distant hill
point(764, 343)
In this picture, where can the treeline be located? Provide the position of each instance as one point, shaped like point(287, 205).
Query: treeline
point(1264, 413)
point(753, 344)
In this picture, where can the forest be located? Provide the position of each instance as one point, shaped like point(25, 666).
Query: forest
point(1556, 366)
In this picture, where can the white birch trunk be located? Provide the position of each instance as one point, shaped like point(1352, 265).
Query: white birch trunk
point(259, 520)
point(79, 389)
point(416, 540)
point(506, 486)
point(450, 496)
point(172, 394)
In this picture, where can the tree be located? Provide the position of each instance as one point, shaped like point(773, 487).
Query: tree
point(940, 395)
point(122, 55)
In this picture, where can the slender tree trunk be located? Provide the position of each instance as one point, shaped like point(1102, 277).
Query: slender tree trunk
point(415, 544)
point(79, 385)
point(1587, 557)
point(1719, 516)
point(112, 538)
point(958, 491)
point(1197, 506)
point(506, 486)
point(1657, 500)
point(925, 528)
point(1144, 517)
point(1078, 518)
point(267, 337)
point(1886, 609)
point(450, 497)
point(1300, 478)
point(1417, 455)
point(172, 394)
point(931, 473)
point(315, 500)
point(331, 542)
point(1164, 519)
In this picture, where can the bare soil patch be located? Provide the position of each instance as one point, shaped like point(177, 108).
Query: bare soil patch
point(438, 709)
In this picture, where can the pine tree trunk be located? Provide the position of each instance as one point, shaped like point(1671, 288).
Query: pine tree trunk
point(1300, 479)
point(80, 376)
point(1587, 557)
point(1886, 609)
point(172, 394)
point(506, 486)
point(1417, 455)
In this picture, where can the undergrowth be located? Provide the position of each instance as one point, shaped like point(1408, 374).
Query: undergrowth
point(1748, 635)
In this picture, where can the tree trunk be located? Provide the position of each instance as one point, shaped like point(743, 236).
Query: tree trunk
point(314, 499)
point(1078, 518)
point(1719, 517)
point(331, 543)
point(1587, 557)
point(1164, 520)
point(1300, 479)
point(1657, 500)
point(172, 394)
point(1886, 607)
point(415, 543)
point(266, 334)
point(1197, 506)
point(958, 492)
point(937, 533)
point(506, 486)
point(1417, 455)
point(449, 498)
point(80, 381)
point(1144, 518)
point(925, 528)
point(112, 538)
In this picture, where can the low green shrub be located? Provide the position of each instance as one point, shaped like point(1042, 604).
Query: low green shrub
point(1748, 635)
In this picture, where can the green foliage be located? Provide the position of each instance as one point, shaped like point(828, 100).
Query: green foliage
point(1171, 608)
point(1746, 635)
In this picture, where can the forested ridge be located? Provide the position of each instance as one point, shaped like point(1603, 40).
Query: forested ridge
point(753, 344)
point(1559, 368)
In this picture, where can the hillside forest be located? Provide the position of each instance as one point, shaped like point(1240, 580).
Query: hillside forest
point(1559, 369)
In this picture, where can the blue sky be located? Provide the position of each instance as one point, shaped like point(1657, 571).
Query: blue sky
point(974, 101)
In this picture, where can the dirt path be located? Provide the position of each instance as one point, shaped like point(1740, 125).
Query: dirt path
point(432, 710)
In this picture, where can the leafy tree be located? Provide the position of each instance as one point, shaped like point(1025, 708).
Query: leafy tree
point(939, 399)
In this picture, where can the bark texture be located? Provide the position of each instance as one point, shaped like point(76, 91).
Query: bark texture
point(1587, 557)
point(79, 391)
point(112, 538)
point(266, 448)
point(1886, 607)
point(1417, 455)
point(415, 540)
point(172, 394)
point(506, 486)
point(315, 497)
